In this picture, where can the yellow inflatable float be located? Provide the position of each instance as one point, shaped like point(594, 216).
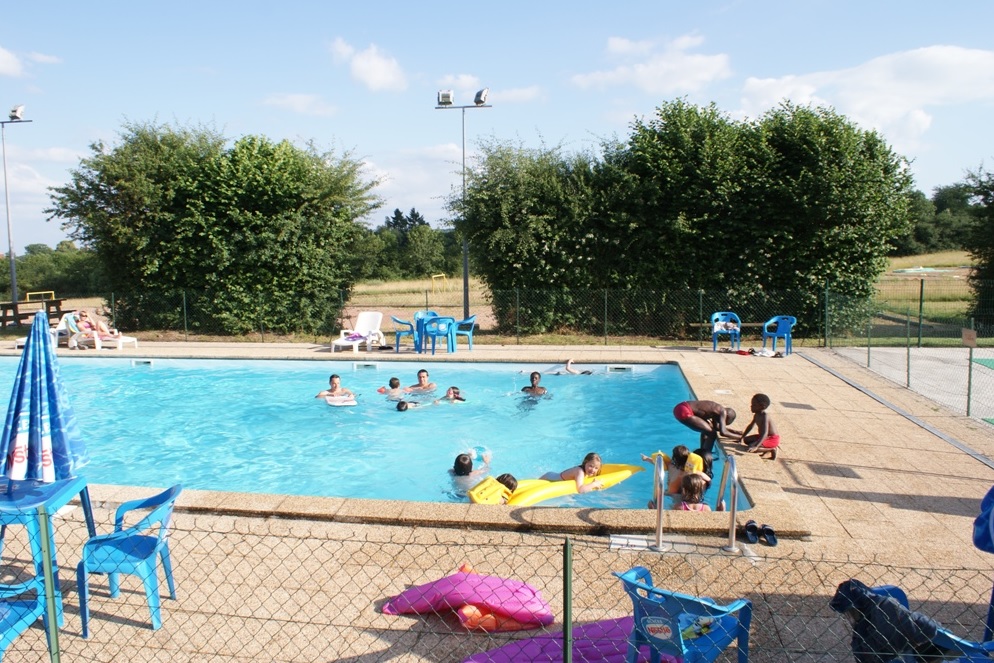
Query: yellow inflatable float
point(533, 491)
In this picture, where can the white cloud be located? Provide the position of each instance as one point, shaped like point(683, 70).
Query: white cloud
point(669, 69)
point(10, 64)
point(42, 58)
point(622, 46)
point(516, 95)
point(304, 104)
point(371, 67)
point(341, 51)
point(891, 93)
point(460, 82)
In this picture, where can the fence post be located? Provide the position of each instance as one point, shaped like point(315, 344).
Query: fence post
point(517, 315)
point(921, 309)
point(186, 326)
point(907, 345)
point(113, 311)
point(567, 601)
point(869, 337)
point(826, 316)
point(700, 316)
point(969, 377)
point(426, 299)
point(48, 575)
point(605, 316)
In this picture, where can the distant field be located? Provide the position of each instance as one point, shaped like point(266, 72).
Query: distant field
point(947, 259)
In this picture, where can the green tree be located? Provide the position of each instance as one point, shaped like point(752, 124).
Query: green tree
point(258, 232)
point(693, 200)
point(424, 252)
point(980, 244)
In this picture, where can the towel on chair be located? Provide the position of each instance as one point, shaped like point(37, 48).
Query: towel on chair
point(882, 628)
point(355, 337)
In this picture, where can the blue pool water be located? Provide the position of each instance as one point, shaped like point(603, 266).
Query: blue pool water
point(255, 426)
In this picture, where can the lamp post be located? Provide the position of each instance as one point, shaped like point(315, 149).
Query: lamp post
point(445, 99)
point(15, 118)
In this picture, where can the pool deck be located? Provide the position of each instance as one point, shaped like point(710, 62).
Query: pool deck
point(854, 475)
point(858, 480)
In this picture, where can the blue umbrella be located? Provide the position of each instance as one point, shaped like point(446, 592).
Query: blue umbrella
point(41, 439)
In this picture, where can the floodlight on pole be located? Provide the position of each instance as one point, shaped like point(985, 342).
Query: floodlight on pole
point(16, 117)
point(446, 100)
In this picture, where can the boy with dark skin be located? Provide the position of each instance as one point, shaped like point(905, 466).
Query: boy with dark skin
point(707, 418)
point(535, 389)
point(767, 437)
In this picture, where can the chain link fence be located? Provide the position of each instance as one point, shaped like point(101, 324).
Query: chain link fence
point(269, 589)
point(521, 316)
point(931, 337)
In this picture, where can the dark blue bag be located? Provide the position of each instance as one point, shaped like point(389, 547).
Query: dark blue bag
point(983, 526)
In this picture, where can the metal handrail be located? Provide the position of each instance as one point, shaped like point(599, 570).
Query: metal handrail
point(729, 472)
point(659, 495)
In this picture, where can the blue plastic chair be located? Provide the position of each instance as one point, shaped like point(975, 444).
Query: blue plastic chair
point(734, 335)
point(692, 629)
point(779, 327)
point(972, 652)
point(405, 329)
point(18, 613)
point(440, 327)
point(465, 328)
point(131, 551)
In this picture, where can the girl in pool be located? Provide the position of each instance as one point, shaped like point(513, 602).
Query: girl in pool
point(692, 493)
point(452, 395)
point(590, 467)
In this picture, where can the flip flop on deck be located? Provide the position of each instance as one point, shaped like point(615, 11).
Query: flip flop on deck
point(750, 531)
point(769, 536)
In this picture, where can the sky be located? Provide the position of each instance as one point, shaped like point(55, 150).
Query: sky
point(363, 78)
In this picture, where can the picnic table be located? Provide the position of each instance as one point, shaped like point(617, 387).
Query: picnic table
point(17, 313)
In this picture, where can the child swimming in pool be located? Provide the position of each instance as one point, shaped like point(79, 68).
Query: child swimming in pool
point(535, 389)
point(464, 475)
point(691, 495)
point(590, 467)
point(392, 390)
point(452, 395)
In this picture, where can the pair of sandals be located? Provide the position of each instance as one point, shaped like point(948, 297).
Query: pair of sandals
point(753, 532)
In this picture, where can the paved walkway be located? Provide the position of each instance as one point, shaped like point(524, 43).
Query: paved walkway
point(856, 480)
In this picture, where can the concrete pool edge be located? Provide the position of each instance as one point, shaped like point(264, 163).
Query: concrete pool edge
point(775, 509)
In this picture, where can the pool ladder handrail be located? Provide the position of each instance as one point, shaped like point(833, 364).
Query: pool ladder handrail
point(729, 471)
point(659, 494)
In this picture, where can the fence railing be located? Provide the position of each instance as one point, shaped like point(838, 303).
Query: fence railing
point(258, 589)
point(921, 312)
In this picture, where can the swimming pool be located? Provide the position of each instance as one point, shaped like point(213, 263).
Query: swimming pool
point(255, 426)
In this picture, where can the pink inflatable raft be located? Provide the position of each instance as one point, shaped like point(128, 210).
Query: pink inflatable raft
point(485, 603)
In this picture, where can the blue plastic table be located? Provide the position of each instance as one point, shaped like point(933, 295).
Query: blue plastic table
point(20, 504)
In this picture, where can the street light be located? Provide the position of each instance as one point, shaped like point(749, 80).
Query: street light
point(445, 101)
point(16, 114)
